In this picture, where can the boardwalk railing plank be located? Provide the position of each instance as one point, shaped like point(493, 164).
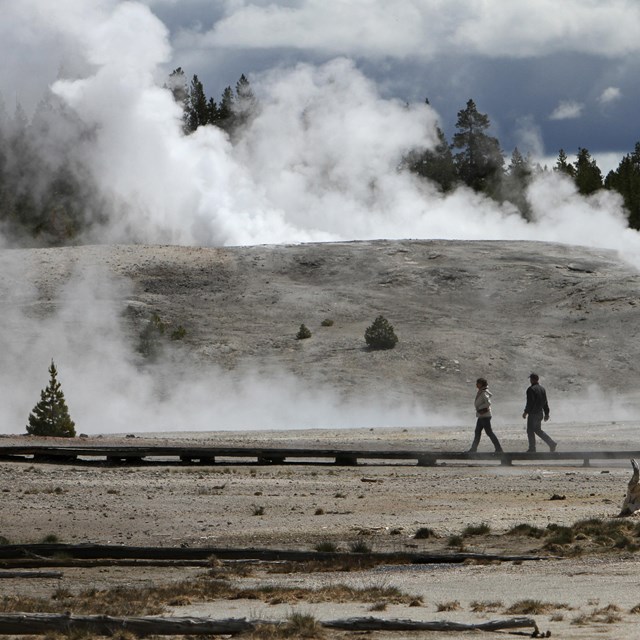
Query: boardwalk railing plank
point(268, 455)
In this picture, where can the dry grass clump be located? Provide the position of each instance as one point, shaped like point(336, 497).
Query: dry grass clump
point(524, 529)
point(605, 615)
point(341, 562)
point(481, 529)
point(534, 607)
point(297, 625)
point(452, 605)
point(480, 606)
point(122, 601)
point(456, 542)
point(588, 534)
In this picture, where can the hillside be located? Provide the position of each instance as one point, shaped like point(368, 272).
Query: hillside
point(460, 309)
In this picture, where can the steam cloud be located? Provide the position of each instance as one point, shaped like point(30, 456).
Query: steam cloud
point(319, 163)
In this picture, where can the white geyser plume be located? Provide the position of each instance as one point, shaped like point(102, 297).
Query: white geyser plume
point(319, 162)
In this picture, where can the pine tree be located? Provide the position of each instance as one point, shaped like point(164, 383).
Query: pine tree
point(245, 102)
point(197, 108)
point(588, 176)
point(50, 417)
point(513, 186)
point(562, 166)
point(225, 110)
point(626, 181)
point(435, 164)
point(479, 162)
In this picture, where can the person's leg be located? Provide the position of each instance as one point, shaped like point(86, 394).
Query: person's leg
point(547, 438)
point(492, 435)
point(533, 426)
point(476, 436)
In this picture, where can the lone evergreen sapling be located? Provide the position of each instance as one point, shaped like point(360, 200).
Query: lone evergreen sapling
point(50, 417)
point(380, 335)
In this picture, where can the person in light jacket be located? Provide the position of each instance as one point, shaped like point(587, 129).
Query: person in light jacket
point(482, 405)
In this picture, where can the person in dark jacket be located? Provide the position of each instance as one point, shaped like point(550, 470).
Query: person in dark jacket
point(482, 404)
point(536, 410)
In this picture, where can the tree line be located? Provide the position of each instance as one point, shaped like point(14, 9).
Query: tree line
point(48, 197)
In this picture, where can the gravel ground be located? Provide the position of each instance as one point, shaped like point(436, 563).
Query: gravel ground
point(380, 504)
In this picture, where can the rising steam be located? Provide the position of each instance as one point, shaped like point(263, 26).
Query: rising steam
point(320, 162)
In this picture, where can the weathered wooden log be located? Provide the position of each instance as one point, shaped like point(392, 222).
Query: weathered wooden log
point(376, 624)
point(31, 574)
point(41, 623)
point(632, 500)
point(38, 563)
point(97, 551)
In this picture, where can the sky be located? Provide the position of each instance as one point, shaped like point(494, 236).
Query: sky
point(550, 75)
point(342, 88)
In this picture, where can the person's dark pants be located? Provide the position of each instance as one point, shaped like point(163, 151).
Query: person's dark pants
point(534, 428)
point(484, 424)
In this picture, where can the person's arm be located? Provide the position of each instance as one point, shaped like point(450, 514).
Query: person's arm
point(527, 406)
point(545, 407)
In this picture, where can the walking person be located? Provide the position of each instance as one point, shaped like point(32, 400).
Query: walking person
point(482, 405)
point(536, 410)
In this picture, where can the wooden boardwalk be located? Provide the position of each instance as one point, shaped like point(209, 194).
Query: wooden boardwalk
point(225, 455)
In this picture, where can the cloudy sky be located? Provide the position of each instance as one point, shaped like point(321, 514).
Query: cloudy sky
point(549, 74)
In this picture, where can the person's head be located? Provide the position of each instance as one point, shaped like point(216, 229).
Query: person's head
point(533, 378)
point(482, 383)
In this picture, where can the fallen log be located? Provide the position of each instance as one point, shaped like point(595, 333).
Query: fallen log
point(30, 574)
point(82, 563)
point(97, 551)
point(42, 623)
point(376, 624)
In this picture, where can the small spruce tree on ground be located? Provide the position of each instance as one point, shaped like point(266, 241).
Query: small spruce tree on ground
point(303, 332)
point(50, 417)
point(380, 335)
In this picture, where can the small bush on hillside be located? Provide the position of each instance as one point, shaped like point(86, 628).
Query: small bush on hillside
point(425, 532)
point(327, 322)
point(151, 337)
point(303, 332)
point(380, 335)
point(179, 333)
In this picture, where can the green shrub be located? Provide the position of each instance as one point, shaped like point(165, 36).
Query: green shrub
point(303, 333)
point(327, 322)
point(179, 333)
point(424, 532)
point(380, 334)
